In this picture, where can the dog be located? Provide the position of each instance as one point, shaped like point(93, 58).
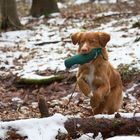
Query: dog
point(98, 79)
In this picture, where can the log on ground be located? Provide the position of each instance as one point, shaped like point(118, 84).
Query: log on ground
point(107, 127)
point(35, 81)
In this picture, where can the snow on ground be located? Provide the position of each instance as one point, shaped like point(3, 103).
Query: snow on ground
point(129, 95)
point(124, 138)
point(48, 128)
point(125, 115)
point(101, 1)
point(122, 46)
point(36, 129)
point(89, 136)
point(25, 49)
point(81, 1)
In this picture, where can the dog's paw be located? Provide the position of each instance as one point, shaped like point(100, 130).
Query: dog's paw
point(94, 102)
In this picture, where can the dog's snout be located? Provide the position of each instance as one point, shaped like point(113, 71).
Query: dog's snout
point(84, 49)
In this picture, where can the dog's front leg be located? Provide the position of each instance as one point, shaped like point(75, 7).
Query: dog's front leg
point(83, 86)
point(99, 95)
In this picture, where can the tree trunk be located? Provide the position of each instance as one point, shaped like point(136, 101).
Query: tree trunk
point(43, 7)
point(9, 14)
point(107, 127)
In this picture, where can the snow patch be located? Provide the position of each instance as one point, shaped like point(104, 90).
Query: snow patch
point(124, 138)
point(36, 129)
point(124, 115)
point(81, 1)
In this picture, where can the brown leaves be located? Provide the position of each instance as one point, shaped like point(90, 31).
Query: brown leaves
point(21, 101)
point(12, 135)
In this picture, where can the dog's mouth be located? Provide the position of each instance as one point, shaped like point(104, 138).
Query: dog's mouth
point(84, 52)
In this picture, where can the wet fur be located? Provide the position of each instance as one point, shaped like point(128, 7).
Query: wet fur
point(98, 79)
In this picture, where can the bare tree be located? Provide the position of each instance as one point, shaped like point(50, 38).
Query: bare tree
point(9, 14)
point(43, 7)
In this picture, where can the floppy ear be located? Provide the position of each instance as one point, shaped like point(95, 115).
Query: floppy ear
point(103, 38)
point(76, 37)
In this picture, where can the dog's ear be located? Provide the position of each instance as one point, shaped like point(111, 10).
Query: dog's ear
point(76, 37)
point(103, 38)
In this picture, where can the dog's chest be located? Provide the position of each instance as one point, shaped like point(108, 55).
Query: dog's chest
point(90, 76)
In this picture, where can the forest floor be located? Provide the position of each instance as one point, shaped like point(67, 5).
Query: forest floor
point(20, 101)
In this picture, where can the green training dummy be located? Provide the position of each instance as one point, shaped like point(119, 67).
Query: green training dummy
point(83, 58)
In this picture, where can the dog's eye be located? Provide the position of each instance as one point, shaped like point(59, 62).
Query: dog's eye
point(81, 42)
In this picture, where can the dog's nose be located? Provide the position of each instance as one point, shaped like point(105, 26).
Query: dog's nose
point(84, 50)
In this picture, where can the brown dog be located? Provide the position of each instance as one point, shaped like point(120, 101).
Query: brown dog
point(98, 79)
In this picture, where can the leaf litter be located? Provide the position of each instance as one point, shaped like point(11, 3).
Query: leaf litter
point(42, 49)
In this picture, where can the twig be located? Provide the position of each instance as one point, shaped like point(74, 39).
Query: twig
point(52, 42)
point(70, 98)
point(43, 107)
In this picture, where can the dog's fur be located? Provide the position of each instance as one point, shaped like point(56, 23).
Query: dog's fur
point(98, 79)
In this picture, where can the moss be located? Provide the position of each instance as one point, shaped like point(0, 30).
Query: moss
point(46, 14)
point(136, 25)
point(127, 72)
point(137, 39)
point(48, 80)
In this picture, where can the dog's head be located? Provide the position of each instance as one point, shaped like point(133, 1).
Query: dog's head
point(89, 40)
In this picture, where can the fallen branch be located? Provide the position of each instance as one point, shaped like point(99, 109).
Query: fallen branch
point(35, 81)
point(47, 42)
point(107, 127)
point(78, 126)
point(52, 42)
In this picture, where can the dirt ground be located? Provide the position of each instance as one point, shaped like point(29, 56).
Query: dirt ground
point(25, 101)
